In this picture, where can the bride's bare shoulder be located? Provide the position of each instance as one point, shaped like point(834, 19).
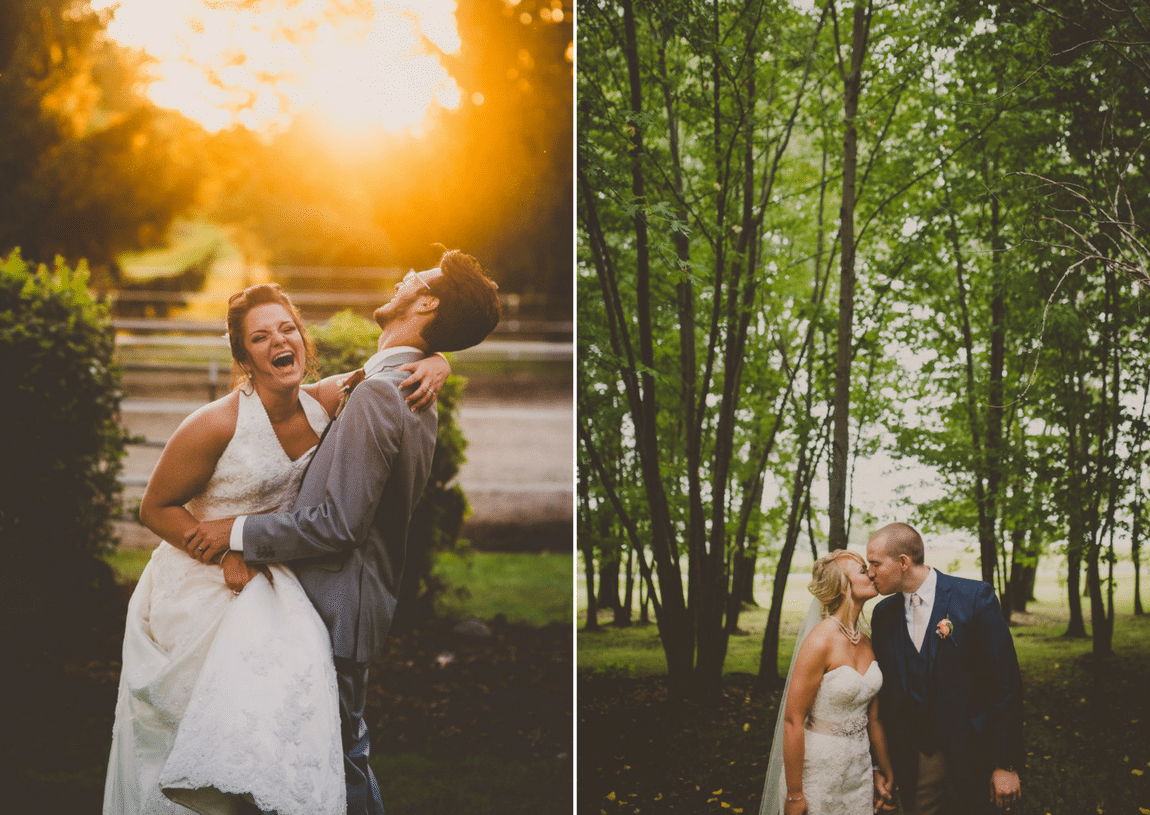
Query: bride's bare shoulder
point(212, 425)
point(817, 643)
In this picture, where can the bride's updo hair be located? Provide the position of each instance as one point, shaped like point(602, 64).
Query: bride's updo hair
point(830, 583)
point(239, 304)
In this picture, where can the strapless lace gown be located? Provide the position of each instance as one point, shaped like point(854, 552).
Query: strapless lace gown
point(228, 699)
point(837, 776)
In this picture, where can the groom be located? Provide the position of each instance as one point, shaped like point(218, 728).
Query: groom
point(347, 538)
point(951, 700)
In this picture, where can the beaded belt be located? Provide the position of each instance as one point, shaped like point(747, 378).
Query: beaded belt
point(826, 727)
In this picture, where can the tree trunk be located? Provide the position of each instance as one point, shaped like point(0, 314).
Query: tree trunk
point(589, 577)
point(1014, 599)
point(800, 500)
point(623, 617)
point(988, 542)
point(1077, 626)
point(1100, 627)
point(1136, 553)
point(587, 547)
point(852, 83)
point(676, 629)
point(747, 596)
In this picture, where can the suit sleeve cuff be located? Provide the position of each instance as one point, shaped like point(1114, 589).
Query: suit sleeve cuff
point(236, 542)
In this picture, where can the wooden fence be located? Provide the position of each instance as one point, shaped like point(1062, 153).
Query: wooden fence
point(147, 342)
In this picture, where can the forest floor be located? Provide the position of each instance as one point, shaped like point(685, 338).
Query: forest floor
point(1087, 734)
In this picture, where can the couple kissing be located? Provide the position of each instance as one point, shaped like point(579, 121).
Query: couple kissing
point(928, 708)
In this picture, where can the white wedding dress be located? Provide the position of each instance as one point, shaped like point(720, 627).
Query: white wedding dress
point(837, 775)
point(227, 700)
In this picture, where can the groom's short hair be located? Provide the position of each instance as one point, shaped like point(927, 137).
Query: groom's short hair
point(468, 304)
point(903, 539)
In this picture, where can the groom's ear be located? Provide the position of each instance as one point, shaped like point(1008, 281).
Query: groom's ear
point(426, 304)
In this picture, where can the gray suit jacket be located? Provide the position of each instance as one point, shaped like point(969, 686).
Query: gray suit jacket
point(347, 537)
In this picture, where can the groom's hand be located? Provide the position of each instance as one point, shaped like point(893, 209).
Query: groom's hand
point(209, 540)
point(1005, 788)
point(236, 571)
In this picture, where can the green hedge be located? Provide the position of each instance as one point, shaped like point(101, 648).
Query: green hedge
point(59, 492)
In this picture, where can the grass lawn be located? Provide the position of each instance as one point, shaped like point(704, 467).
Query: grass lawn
point(525, 588)
point(414, 785)
point(1086, 722)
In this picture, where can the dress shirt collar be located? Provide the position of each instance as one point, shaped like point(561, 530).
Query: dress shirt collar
point(925, 591)
point(381, 359)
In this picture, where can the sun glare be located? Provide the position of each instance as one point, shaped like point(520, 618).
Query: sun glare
point(377, 65)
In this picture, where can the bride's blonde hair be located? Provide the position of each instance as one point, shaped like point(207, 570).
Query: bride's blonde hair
point(830, 583)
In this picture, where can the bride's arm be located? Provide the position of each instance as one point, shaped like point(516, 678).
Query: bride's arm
point(806, 677)
point(884, 784)
point(184, 469)
point(428, 374)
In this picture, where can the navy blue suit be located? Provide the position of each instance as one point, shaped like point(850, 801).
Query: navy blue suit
point(973, 690)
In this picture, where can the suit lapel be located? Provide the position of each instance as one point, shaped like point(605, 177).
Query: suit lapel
point(937, 614)
point(897, 632)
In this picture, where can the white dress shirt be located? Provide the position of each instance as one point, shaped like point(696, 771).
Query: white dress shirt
point(926, 593)
point(375, 363)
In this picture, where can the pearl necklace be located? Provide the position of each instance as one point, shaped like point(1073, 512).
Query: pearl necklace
point(853, 636)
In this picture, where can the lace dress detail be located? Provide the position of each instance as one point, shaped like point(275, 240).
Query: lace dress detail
point(228, 698)
point(837, 778)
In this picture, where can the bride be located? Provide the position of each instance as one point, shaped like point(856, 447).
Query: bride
point(227, 700)
point(828, 723)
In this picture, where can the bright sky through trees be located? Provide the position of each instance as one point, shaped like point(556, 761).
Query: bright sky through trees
point(372, 63)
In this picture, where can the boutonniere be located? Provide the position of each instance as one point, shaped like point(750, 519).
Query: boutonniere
point(945, 629)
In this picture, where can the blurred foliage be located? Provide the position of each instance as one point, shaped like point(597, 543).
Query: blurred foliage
point(91, 169)
point(95, 170)
point(344, 343)
point(493, 178)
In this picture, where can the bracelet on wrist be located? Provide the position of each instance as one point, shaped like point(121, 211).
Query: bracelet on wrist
point(794, 798)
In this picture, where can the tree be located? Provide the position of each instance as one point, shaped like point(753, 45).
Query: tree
point(679, 205)
point(83, 178)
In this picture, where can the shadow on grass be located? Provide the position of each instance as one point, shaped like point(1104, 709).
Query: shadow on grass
point(478, 784)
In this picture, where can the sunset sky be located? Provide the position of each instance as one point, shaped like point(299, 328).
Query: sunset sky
point(356, 63)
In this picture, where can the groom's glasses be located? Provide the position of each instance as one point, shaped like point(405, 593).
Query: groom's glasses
point(411, 277)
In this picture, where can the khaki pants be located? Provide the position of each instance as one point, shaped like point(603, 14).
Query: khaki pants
point(932, 794)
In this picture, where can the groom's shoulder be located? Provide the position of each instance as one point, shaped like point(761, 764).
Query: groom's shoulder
point(887, 603)
point(976, 589)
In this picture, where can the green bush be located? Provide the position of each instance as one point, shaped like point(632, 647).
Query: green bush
point(344, 343)
point(59, 488)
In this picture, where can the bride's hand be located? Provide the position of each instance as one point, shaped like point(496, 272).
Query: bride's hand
point(883, 792)
point(792, 807)
point(430, 372)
